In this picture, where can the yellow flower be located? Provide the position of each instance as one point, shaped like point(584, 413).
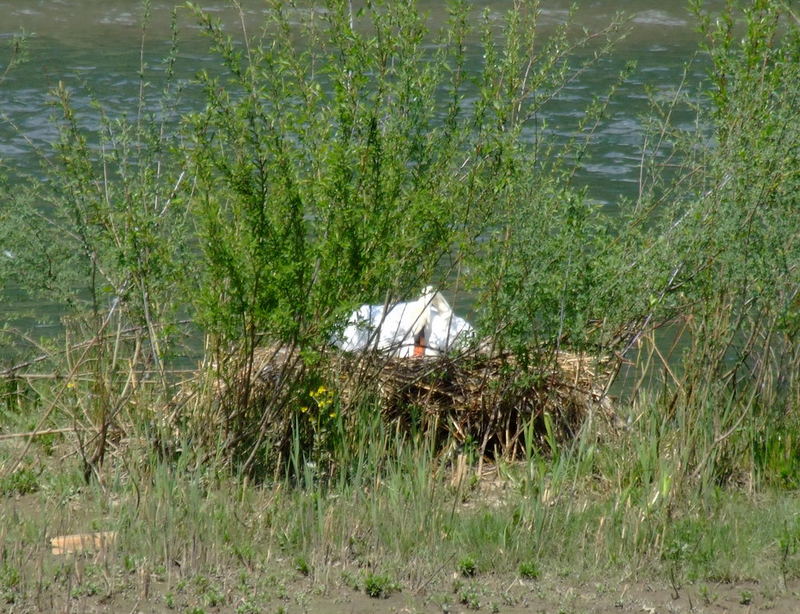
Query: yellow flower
point(332, 414)
point(303, 409)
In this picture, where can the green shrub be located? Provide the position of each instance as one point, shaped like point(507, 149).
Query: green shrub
point(379, 586)
point(528, 570)
point(467, 567)
point(341, 163)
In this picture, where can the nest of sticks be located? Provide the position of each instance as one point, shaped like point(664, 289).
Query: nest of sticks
point(492, 402)
point(495, 403)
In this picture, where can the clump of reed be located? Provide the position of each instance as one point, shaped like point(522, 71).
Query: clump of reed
point(496, 403)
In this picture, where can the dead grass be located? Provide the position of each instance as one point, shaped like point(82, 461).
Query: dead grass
point(495, 403)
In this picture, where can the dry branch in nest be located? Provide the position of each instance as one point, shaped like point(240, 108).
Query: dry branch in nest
point(492, 402)
point(244, 402)
point(488, 401)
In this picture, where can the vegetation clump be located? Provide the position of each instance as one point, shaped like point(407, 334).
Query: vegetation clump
point(21, 482)
point(528, 570)
point(467, 567)
point(495, 401)
point(379, 586)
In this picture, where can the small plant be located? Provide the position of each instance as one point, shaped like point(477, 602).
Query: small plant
point(707, 595)
point(9, 576)
point(87, 589)
point(248, 608)
point(213, 597)
point(47, 443)
point(528, 570)
point(379, 586)
point(467, 567)
point(9, 581)
point(301, 564)
point(21, 482)
point(470, 597)
point(351, 580)
point(675, 553)
point(746, 597)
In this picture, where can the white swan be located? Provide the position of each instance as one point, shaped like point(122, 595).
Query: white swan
point(426, 326)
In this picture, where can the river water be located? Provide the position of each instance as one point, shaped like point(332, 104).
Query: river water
point(94, 49)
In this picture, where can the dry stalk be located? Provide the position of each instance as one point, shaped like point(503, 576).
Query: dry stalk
point(487, 400)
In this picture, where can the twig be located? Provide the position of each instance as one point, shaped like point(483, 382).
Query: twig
point(57, 398)
point(37, 433)
point(721, 438)
point(126, 331)
point(430, 578)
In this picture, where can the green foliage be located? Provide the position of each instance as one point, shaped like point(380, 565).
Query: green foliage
point(467, 567)
point(528, 570)
point(317, 171)
point(101, 229)
point(21, 482)
point(737, 246)
point(351, 169)
point(18, 54)
point(9, 577)
point(302, 565)
point(379, 586)
point(470, 596)
point(350, 158)
point(746, 597)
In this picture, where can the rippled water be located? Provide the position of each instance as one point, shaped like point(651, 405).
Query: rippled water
point(94, 48)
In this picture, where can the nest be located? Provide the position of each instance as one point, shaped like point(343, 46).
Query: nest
point(495, 403)
point(492, 402)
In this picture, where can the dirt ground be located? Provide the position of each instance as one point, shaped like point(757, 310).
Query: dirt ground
point(563, 597)
point(480, 594)
point(106, 582)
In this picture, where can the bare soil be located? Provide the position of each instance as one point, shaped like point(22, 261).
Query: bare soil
point(284, 590)
point(105, 581)
point(558, 598)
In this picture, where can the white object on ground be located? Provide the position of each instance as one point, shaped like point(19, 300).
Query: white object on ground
point(426, 327)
